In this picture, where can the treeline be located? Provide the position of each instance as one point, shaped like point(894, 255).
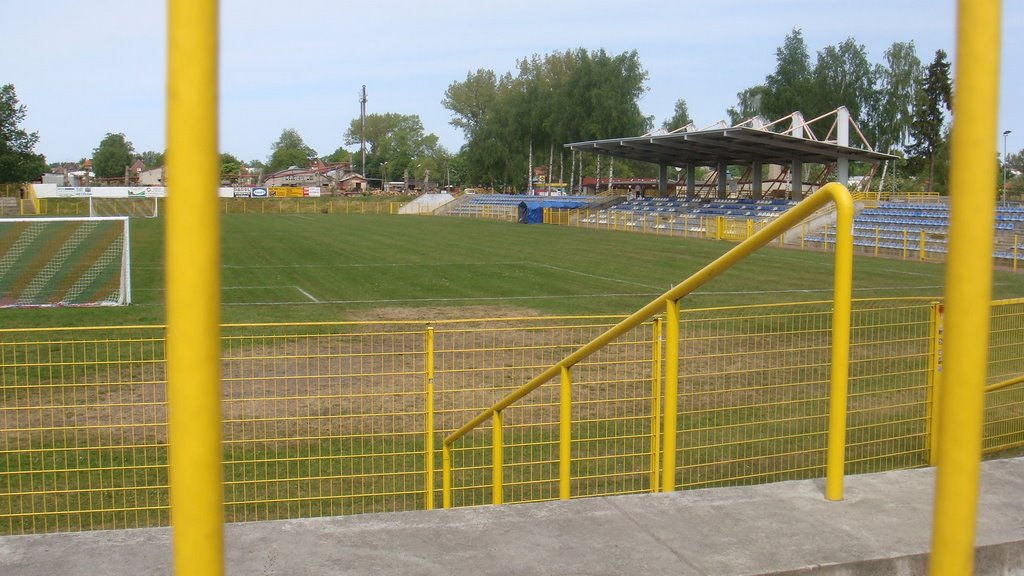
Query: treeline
point(900, 105)
point(524, 116)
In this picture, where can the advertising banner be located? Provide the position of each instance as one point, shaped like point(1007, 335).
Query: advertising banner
point(286, 191)
point(260, 193)
point(242, 192)
point(73, 191)
point(311, 191)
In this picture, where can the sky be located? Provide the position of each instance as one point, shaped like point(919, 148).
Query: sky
point(85, 69)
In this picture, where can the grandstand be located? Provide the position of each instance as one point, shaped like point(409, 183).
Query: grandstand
point(922, 230)
point(506, 206)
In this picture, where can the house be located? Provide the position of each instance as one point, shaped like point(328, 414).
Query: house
point(336, 177)
point(151, 177)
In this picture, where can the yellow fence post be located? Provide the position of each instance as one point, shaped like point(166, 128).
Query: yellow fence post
point(904, 243)
point(498, 460)
point(934, 380)
point(446, 476)
point(876, 241)
point(428, 468)
point(656, 338)
point(565, 436)
point(920, 246)
point(968, 286)
point(671, 408)
point(195, 453)
point(842, 294)
point(1016, 243)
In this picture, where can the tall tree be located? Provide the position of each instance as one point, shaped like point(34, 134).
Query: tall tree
point(289, 150)
point(395, 140)
point(544, 103)
point(18, 161)
point(899, 80)
point(787, 88)
point(114, 154)
point(933, 101)
point(469, 101)
point(748, 104)
point(843, 76)
point(680, 117)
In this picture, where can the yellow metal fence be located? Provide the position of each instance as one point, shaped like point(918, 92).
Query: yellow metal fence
point(323, 205)
point(906, 243)
point(344, 418)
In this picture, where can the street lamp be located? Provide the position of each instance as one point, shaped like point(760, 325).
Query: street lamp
point(1005, 134)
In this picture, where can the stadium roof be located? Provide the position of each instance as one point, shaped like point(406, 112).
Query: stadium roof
point(738, 145)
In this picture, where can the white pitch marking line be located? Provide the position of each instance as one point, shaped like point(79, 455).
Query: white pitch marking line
point(571, 271)
point(307, 294)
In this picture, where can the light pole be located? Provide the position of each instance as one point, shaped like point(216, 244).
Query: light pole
point(1005, 134)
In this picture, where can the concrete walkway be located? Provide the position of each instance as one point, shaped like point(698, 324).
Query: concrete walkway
point(882, 527)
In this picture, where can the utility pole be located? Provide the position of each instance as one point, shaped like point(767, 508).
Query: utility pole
point(362, 129)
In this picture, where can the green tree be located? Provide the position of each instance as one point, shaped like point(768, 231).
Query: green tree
point(787, 89)
point(843, 76)
point(470, 100)
point(547, 101)
point(899, 80)
point(748, 104)
point(933, 101)
point(397, 140)
point(152, 159)
point(114, 154)
point(680, 117)
point(230, 167)
point(18, 161)
point(289, 150)
point(339, 155)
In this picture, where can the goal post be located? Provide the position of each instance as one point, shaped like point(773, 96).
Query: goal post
point(65, 262)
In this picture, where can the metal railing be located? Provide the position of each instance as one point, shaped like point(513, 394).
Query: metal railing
point(669, 303)
point(345, 418)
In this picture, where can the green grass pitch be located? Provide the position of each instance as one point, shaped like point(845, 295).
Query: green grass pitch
point(324, 267)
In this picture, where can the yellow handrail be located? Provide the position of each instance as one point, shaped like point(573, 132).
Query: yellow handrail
point(1004, 384)
point(842, 291)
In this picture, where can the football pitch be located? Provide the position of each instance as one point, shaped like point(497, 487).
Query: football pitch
point(332, 267)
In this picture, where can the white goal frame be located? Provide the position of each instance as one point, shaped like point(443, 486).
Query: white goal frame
point(124, 292)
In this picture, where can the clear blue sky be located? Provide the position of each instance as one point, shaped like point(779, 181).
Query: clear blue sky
point(85, 68)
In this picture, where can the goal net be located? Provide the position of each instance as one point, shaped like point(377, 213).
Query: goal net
point(133, 207)
point(64, 262)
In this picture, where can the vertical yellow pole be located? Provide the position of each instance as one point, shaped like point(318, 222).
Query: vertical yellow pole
point(565, 436)
point(497, 460)
point(193, 289)
point(876, 240)
point(904, 243)
point(968, 285)
point(668, 467)
point(656, 337)
point(841, 309)
point(803, 234)
point(428, 448)
point(920, 246)
point(1016, 243)
point(446, 476)
point(934, 400)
